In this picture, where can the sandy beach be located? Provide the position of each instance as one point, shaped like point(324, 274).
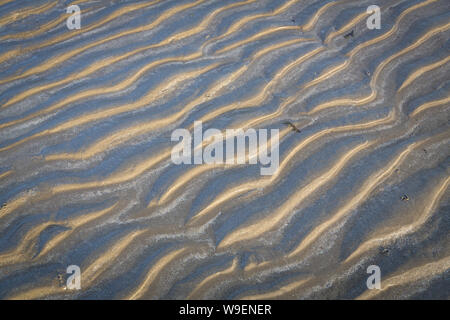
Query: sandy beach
point(87, 178)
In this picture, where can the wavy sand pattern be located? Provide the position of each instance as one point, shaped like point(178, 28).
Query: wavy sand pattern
point(86, 176)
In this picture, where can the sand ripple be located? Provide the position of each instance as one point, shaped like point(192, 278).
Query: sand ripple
point(85, 171)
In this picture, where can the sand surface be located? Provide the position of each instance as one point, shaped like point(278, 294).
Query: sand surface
point(86, 176)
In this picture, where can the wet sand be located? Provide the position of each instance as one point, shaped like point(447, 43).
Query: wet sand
point(86, 176)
